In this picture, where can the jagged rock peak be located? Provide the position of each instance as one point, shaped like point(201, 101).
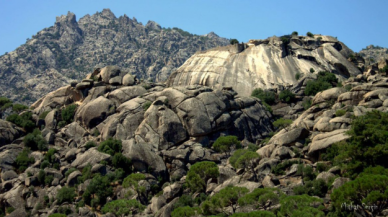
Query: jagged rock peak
point(69, 18)
point(153, 25)
point(211, 35)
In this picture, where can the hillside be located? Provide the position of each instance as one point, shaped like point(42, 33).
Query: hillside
point(373, 54)
point(112, 145)
point(272, 63)
point(69, 49)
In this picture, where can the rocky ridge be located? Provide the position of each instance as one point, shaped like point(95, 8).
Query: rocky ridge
point(267, 64)
point(70, 48)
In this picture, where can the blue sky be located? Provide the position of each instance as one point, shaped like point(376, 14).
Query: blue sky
point(357, 23)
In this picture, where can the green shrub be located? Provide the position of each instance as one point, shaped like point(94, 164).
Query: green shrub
point(4, 100)
point(312, 70)
point(243, 158)
point(264, 95)
point(280, 168)
point(43, 114)
point(185, 211)
point(89, 145)
point(133, 181)
point(68, 113)
point(110, 146)
point(297, 76)
point(321, 167)
point(254, 214)
point(10, 209)
point(340, 112)
point(41, 176)
point(184, 200)
point(282, 123)
point(123, 207)
point(286, 96)
point(262, 198)
point(199, 173)
point(313, 188)
point(313, 87)
point(19, 107)
point(35, 141)
point(146, 105)
point(227, 197)
point(226, 144)
point(69, 171)
point(24, 120)
point(48, 179)
point(23, 161)
point(306, 103)
point(233, 41)
point(66, 194)
point(363, 191)
point(57, 215)
point(294, 33)
point(100, 188)
point(309, 34)
point(300, 205)
point(253, 147)
point(120, 161)
point(306, 171)
point(44, 164)
point(86, 173)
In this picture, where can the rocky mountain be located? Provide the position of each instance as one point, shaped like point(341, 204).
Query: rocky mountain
point(70, 48)
point(373, 54)
point(112, 145)
point(270, 63)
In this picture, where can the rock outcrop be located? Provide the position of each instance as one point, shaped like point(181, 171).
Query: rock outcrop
point(270, 63)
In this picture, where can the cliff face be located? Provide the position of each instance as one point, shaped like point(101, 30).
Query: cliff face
point(70, 49)
point(265, 63)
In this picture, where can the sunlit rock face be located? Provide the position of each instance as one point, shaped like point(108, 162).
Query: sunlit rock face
point(268, 63)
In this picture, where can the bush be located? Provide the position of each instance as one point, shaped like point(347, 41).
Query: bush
point(69, 171)
point(123, 207)
point(300, 205)
point(120, 161)
point(23, 161)
point(10, 209)
point(185, 211)
point(110, 146)
point(44, 164)
point(243, 158)
point(309, 34)
point(312, 70)
point(199, 173)
point(286, 96)
point(68, 113)
point(43, 114)
point(226, 144)
point(279, 169)
point(89, 145)
point(57, 215)
point(262, 198)
point(294, 33)
point(133, 181)
point(282, 123)
point(24, 120)
point(313, 188)
point(264, 95)
point(35, 141)
point(184, 200)
point(226, 197)
point(66, 194)
point(86, 173)
point(297, 76)
point(364, 191)
point(146, 105)
point(254, 214)
point(100, 187)
point(233, 41)
point(340, 112)
point(19, 107)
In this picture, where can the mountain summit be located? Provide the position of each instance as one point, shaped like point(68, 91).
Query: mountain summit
point(69, 49)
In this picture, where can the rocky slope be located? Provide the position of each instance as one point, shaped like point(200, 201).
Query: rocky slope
point(70, 49)
point(269, 63)
point(165, 131)
point(373, 54)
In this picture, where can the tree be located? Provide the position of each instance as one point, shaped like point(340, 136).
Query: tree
point(300, 205)
point(262, 198)
point(98, 189)
point(185, 211)
point(294, 33)
point(226, 143)
point(282, 123)
point(123, 207)
point(365, 192)
point(23, 161)
point(309, 34)
point(66, 194)
point(35, 141)
point(233, 41)
point(254, 214)
point(199, 173)
point(265, 95)
point(244, 158)
point(120, 161)
point(224, 198)
point(68, 113)
point(19, 107)
point(4, 104)
point(110, 146)
point(286, 96)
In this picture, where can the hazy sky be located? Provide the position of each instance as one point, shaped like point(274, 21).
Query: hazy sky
point(357, 23)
